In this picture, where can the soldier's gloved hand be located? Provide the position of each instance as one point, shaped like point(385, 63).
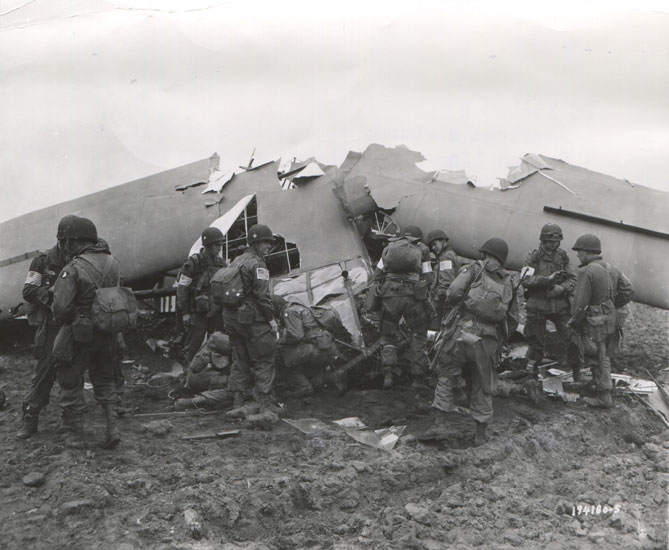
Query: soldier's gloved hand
point(187, 319)
point(556, 291)
point(196, 368)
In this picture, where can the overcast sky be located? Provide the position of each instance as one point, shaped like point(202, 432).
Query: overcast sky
point(94, 93)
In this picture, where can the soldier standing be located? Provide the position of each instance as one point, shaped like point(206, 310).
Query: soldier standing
point(80, 346)
point(489, 316)
point(445, 268)
point(193, 291)
point(593, 314)
point(251, 324)
point(38, 292)
point(548, 285)
point(406, 276)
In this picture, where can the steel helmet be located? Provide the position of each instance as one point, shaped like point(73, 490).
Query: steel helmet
point(81, 228)
point(219, 343)
point(551, 232)
point(436, 234)
point(588, 242)
point(413, 232)
point(496, 247)
point(259, 232)
point(279, 303)
point(212, 235)
point(63, 224)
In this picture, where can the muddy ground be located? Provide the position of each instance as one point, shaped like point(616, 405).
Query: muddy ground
point(553, 475)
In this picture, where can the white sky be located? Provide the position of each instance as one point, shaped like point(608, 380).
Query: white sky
point(94, 93)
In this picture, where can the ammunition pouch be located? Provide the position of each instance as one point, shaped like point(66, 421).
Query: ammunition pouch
point(420, 291)
point(201, 303)
point(600, 321)
point(245, 315)
point(82, 330)
point(397, 287)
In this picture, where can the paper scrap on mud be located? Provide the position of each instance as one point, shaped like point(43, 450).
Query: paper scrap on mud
point(309, 426)
point(552, 386)
point(350, 422)
point(635, 385)
point(384, 439)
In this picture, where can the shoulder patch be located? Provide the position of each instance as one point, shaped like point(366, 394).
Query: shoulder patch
point(262, 274)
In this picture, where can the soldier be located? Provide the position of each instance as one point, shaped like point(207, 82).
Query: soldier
point(548, 283)
point(405, 274)
point(445, 268)
point(38, 292)
point(80, 346)
point(306, 347)
point(193, 291)
point(489, 316)
point(593, 314)
point(251, 324)
point(207, 375)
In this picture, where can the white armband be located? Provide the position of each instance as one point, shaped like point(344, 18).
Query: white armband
point(184, 280)
point(427, 267)
point(445, 265)
point(34, 278)
point(262, 274)
point(527, 271)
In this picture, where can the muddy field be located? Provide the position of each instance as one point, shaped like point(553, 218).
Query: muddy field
point(553, 475)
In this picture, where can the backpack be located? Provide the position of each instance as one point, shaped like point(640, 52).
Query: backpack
point(401, 256)
point(114, 308)
point(489, 299)
point(227, 287)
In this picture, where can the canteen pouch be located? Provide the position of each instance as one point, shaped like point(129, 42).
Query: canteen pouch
point(82, 330)
point(245, 315)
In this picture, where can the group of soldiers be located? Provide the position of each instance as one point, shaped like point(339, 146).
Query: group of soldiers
point(238, 326)
point(60, 290)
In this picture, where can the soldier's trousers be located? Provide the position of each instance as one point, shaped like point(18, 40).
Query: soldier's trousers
point(477, 363)
point(252, 356)
point(101, 359)
point(535, 332)
point(202, 326)
point(394, 308)
point(45, 374)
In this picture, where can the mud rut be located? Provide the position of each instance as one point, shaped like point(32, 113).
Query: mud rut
point(552, 476)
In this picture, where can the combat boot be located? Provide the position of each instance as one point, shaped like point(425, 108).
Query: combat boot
point(438, 430)
point(602, 401)
point(28, 422)
point(183, 404)
point(480, 437)
point(532, 389)
point(388, 381)
point(112, 433)
point(338, 380)
point(238, 400)
point(73, 426)
point(266, 405)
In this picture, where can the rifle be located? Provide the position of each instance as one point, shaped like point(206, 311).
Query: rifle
point(449, 322)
